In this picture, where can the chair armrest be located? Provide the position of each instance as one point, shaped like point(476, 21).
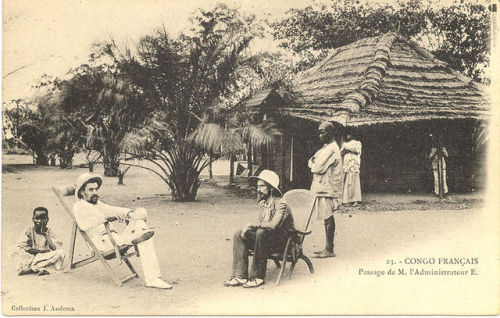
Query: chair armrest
point(302, 233)
point(111, 219)
point(64, 190)
point(112, 240)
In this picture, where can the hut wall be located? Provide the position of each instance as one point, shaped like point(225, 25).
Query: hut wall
point(303, 136)
point(394, 156)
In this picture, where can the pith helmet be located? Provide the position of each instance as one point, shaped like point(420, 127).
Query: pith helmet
point(84, 179)
point(270, 177)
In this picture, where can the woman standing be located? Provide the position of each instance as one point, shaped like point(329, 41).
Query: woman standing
point(351, 151)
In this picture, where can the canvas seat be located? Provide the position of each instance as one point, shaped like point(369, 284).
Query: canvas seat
point(301, 203)
point(122, 252)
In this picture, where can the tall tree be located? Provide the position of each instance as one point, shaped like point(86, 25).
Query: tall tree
point(107, 105)
point(458, 34)
point(188, 80)
point(462, 38)
point(31, 124)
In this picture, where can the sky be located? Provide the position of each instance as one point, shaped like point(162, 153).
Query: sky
point(52, 36)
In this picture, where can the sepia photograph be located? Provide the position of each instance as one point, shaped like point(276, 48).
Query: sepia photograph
point(300, 157)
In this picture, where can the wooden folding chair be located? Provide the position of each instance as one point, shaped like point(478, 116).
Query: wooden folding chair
point(120, 252)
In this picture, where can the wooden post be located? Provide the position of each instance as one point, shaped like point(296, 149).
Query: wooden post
point(291, 159)
point(249, 159)
point(269, 148)
point(231, 169)
point(284, 185)
point(264, 155)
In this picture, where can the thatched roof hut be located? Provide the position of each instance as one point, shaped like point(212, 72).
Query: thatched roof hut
point(385, 79)
point(392, 94)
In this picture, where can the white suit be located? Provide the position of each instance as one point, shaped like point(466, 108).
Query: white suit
point(91, 217)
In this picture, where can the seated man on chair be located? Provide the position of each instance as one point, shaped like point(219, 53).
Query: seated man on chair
point(90, 215)
point(264, 236)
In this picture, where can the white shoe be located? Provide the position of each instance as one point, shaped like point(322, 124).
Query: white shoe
point(158, 283)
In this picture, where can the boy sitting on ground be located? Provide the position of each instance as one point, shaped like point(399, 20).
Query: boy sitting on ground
point(38, 250)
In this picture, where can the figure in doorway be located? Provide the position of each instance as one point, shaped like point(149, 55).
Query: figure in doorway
point(438, 156)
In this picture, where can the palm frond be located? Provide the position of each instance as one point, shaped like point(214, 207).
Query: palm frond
point(212, 138)
point(260, 135)
point(135, 142)
point(140, 141)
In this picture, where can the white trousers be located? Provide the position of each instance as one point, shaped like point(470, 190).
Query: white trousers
point(149, 259)
point(436, 181)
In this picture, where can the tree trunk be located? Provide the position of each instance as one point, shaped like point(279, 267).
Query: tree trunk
point(41, 160)
point(111, 162)
point(120, 178)
point(111, 158)
point(184, 188)
point(231, 170)
point(66, 160)
point(210, 173)
point(121, 175)
point(184, 179)
point(111, 169)
point(91, 167)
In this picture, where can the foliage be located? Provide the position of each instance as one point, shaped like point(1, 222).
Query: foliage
point(30, 124)
point(458, 34)
point(190, 82)
point(106, 106)
point(65, 139)
point(312, 31)
point(462, 33)
point(42, 127)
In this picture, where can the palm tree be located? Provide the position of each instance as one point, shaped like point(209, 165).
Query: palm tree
point(183, 79)
point(179, 164)
point(108, 106)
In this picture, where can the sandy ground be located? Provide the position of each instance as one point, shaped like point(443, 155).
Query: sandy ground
point(194, 245)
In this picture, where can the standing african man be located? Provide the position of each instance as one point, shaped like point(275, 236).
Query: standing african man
point(326, 167)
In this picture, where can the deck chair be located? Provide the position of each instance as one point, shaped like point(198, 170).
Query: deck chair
point(121, 252)
point(301, 203)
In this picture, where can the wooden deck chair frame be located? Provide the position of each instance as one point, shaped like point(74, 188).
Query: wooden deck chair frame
point(120, 252)
point(292, 251)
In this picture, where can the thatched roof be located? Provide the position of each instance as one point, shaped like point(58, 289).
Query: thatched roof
point(385, 79)
point(259, 98)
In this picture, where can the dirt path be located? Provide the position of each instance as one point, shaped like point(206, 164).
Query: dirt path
point(194, 243)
